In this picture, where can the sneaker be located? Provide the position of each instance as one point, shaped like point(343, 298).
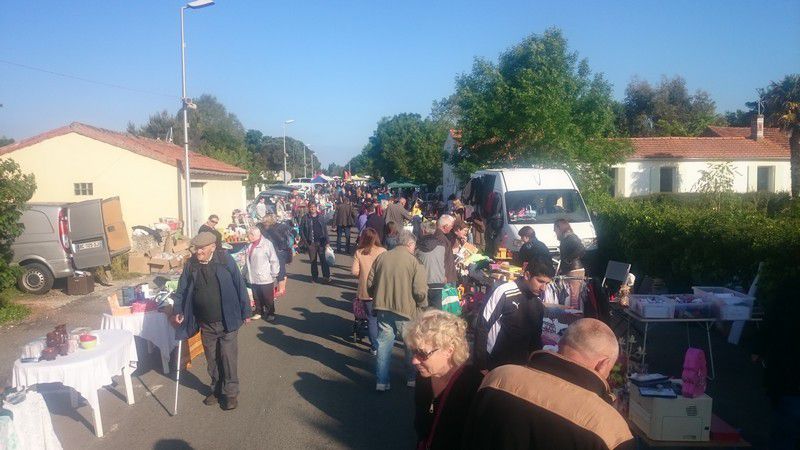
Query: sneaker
point(382, 387)
point(271, 318)
point(411, 383)
point(256, 316)
point(328, 280)
point(373, 352)
point(230, 403)
point(211, 400)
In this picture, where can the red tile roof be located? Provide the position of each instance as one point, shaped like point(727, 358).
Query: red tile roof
point(773, 134)
point(163, 151)
point(733, 148)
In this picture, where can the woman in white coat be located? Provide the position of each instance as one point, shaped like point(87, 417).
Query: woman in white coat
point(261, 269)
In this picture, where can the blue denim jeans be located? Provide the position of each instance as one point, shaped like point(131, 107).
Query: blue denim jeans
point(390, 326)
point(372, 324)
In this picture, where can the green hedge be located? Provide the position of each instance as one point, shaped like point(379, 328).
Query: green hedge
point(701, 239)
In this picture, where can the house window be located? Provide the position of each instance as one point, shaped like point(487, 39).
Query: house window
point(84, 188)
point(613, 173)
point(765, 179)
point(667, 179)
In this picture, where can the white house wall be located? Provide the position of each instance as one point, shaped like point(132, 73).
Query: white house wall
point(643, 177)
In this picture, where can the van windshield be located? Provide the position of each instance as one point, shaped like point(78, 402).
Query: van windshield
point(545, 206)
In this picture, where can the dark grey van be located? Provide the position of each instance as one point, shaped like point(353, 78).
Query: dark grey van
point(60, 238)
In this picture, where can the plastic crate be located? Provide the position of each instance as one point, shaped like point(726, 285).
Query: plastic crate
point(691, 306)
point(653, 306)
point(727, 303)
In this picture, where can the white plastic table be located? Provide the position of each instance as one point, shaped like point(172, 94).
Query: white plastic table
point(86, 371)
point(153, 326)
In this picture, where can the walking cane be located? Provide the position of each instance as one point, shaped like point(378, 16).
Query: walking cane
point(177, 378)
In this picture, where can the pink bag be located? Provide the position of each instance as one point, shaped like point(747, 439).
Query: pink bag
point(694, 373)
point(359, 310)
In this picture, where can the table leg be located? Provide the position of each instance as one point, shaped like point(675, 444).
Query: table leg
point(644, 341)
point(710, 351)
point(165, 363)
point(98, 422)
point(126, 377)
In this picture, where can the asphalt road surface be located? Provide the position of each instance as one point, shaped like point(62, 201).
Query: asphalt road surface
point(304, 385)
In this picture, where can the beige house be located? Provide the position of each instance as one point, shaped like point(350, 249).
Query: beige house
point(80, 162)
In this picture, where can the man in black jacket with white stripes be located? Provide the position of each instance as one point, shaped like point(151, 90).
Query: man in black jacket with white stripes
point(510, 325)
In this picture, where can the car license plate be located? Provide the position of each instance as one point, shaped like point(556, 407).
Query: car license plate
point(89, 245)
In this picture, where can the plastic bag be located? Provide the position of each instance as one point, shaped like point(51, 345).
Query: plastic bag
point(330, 257)
point(450, 300)
point(694, 373)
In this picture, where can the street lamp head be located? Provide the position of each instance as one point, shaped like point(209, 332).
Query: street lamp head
point(288, 121)
point(197, 4)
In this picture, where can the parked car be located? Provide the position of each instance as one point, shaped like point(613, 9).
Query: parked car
point(60, 238)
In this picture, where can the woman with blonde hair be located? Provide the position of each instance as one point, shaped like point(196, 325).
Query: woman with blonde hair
point(446, 384)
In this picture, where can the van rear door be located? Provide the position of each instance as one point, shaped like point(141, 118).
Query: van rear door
point(116, 232)
point(87, 234)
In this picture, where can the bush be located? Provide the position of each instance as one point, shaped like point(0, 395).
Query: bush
point(15, 189)
point(10, 311)
point(686, 241)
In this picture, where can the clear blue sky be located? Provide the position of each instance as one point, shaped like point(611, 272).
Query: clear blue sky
point(338, 66)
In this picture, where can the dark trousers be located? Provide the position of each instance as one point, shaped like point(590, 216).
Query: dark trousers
point(372, 323)
point(264, 295)
point(222, 354)
point(317, 252)
point(342, 230)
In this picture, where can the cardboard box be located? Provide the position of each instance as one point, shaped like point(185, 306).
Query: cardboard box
point(116, 309)
point(138, 264)
point(176, 262)
point(180, 246)
point(159, 265)
point(169, 242)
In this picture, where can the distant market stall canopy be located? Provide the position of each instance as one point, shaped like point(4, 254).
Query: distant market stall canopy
point(402, 185)
point(321, 179)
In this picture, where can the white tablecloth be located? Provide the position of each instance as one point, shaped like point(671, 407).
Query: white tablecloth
point(31, 426)
point(153, 326)
point(86, 371)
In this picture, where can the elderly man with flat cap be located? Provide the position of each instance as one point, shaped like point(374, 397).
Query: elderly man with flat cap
point(212, 298)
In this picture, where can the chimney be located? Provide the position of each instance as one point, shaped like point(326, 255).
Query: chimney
point(757, 128)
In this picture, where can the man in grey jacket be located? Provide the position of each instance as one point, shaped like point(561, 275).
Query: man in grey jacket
point(431, 253)
point(399, 288)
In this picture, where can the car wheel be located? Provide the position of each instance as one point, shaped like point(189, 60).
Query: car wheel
point(36, 278)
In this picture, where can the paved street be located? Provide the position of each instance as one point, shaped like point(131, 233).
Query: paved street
point(304, 385)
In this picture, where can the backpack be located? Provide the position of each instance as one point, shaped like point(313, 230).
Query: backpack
point(694, 373)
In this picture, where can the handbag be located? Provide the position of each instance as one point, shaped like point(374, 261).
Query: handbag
point(359, 310)
point(450, 300)
point(330, 257)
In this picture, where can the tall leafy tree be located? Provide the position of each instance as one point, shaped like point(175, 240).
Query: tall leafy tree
point(539, 104)
point(667, 109)
point(405, 147)
point(782, 109)
point(5, 141)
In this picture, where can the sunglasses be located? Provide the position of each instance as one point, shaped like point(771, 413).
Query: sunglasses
point(422, 355)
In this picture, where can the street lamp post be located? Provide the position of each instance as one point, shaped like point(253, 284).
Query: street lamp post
point(186, 104)
point(285, 122)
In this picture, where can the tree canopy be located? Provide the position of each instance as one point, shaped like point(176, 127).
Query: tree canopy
point(667, 109)
point(539, 104)
point(404, 147)
point(781, 101)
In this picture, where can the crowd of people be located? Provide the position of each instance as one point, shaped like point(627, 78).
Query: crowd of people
point(484, 386)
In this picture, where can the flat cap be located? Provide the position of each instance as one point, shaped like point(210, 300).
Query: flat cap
point(203, 238)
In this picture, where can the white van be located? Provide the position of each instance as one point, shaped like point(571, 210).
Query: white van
point(533, 197)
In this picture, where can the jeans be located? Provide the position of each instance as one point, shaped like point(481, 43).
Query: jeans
point(342, 230)
point(372, 324)
point(390, 325)
point(785, 433)
point(317, 252)
point(222, 354)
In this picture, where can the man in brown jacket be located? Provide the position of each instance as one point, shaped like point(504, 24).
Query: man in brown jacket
point(345, 217)
point(398, 285)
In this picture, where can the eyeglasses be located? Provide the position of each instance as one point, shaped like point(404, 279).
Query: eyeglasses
point(423, 355)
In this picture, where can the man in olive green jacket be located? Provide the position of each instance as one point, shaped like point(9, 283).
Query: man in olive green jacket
point(398, 284)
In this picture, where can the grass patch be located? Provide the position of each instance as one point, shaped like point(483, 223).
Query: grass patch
point(10, 311)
